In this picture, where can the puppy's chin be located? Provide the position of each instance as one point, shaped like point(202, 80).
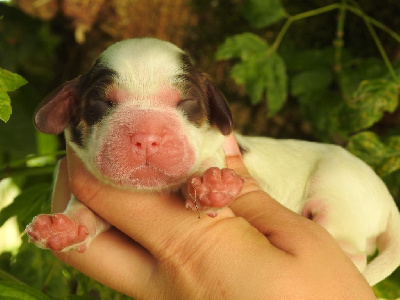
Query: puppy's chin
point(147, 178)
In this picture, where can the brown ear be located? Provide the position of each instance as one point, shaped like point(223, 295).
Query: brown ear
point(220, 114)
point(54, 113)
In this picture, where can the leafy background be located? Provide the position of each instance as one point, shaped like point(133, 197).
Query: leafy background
point(319, 70)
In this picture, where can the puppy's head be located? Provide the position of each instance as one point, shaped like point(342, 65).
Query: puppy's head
point(141, 117)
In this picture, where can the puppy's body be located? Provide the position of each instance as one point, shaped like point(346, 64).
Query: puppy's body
point(327, 184)
point(144, 118)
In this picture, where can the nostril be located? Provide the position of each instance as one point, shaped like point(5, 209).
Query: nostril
point(145, 144)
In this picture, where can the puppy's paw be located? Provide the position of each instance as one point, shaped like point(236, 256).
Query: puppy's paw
point(215, 189)
point(57, 232)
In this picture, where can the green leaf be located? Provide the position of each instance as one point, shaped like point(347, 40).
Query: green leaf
point(369, 102)
point(4, 276)
point(10, 81)
point(382, 93)
point(321, 108)
point(276, 84)
point(310, 81)
point(357, 70)
point(27, 204)
point(40, 270)
point(243, 46)
point(262, 73)
point(5, 107)
point(388, 288)
point(383, 157)
point(16, 290)
point(262, 13)
point(247, 73)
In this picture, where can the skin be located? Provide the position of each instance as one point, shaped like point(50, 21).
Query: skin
point(256, 249)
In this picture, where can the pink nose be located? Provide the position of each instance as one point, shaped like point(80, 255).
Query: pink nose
point(145, 144)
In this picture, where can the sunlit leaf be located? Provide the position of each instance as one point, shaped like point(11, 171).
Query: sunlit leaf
point(369, 102)
point(384, 157)
point(5, 107)
point(27, 204)
point(389, 288)
point(17, 290)
point(382, 93)
point(8, 82)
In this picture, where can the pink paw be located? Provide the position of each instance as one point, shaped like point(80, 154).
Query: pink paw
point(57, 232)
point(214, 190)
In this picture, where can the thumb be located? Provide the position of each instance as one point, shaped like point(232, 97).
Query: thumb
point(255, 205)
point(233, 156)
point(234, 161)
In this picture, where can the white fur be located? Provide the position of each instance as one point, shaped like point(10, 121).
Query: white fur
point(143, 65)
point(360, 212)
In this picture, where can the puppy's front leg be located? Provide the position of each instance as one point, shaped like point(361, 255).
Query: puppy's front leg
point(75, 228)
point(213, 190)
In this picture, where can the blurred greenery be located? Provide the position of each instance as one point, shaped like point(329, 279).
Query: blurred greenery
point(331, 66)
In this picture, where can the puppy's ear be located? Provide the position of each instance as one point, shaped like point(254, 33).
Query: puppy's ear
point(54, 113)
point(220, 114)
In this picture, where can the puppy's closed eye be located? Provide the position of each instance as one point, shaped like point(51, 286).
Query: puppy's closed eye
point(96, 109)
point(185, 103)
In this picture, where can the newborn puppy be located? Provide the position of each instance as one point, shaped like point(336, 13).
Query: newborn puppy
point(144, 118)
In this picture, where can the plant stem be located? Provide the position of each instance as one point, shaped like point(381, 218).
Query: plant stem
point(300, 16)
point(338, 42)
point(19, 167)
point(374, 22)
point(382, 51)
point(53, 268)
point(343, 7)
point(26, 171)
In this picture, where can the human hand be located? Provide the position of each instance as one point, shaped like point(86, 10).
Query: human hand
point(254, 249)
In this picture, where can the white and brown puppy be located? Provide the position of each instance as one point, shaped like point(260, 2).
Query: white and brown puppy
point(144, 118)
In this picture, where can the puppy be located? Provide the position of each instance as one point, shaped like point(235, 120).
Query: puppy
point(144, 118)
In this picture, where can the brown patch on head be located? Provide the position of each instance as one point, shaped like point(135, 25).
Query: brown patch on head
point(194, 103)
point(92, 89)
point(94, 104)
point(201, 100)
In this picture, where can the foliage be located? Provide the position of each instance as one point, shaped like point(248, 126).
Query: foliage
point(344, 97)
point(259, 70)
point(50, 279)
point(8, 82)
point(384, 157)
point(28, 48)
point(340, 94)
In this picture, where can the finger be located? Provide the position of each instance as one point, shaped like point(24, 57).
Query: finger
point(281, 226)
point(114, 260)
point(154, 220)
point(127, 257)
point(233, 156)
point(61, 192)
